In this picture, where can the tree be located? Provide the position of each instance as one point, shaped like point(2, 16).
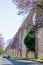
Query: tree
point(1, 51)
point(24, 5)
point(37, 11)
point(29, 40)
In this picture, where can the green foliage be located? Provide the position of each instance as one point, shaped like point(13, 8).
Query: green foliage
point(29, 40)
point(1, 51)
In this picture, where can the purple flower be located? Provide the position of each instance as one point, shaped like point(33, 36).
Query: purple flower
point(32, 1)
point(2, 41)
point(24, 0)
point(20, 12)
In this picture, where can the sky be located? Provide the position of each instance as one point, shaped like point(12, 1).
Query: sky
point(10, 21)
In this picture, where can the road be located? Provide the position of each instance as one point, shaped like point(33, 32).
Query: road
point(4, 61)
point(23, 62)
point(11, 61)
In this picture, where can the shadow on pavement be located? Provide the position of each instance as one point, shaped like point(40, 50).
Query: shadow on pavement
point(23, 63)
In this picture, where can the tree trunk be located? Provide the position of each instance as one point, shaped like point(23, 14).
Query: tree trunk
point(26, 52)
point(20, 53)
point(38, 24)
point(36, 42)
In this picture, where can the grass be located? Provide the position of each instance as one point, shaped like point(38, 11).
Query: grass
point(40, 59)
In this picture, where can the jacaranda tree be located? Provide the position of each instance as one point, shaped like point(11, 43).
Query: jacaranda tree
point(37, 14)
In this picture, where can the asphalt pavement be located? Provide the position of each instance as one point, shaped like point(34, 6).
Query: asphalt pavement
point(23, 62)
point(4, 61)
